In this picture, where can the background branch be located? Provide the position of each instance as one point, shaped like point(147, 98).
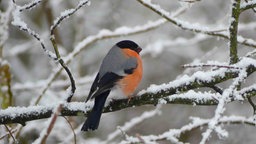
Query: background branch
point(218, 32)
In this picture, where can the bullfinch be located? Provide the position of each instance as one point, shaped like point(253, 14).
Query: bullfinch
point(121, 68)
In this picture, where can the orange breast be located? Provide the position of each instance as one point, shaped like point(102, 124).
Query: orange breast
point(130, 82)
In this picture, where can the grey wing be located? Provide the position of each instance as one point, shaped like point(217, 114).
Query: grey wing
point(130, 65)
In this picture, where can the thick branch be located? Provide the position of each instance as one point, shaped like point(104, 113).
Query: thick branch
point(164, 92)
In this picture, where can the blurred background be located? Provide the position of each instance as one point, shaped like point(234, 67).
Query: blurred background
point(167, 48)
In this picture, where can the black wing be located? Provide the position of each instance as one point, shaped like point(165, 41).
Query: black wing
point(103, 84)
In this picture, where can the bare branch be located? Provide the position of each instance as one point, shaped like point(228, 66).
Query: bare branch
point(233, 57)
point(71, 127)
point(10, 133)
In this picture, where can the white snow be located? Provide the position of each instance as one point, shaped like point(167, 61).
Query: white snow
point(247, 3)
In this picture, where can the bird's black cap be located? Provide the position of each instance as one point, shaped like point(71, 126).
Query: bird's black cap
point(129, 44)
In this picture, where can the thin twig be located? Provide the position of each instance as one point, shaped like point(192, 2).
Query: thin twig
point(252, 104)
point(73, 131)
point(10, 132)
point(64, 15)
point(62, 63)
point(44, 135)
point(210, 65)
point(217, 89)
point(23, 26)
point(30, 5)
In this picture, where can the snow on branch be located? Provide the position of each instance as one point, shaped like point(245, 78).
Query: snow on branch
point(247, 5)
point(212, 64)
point(30, 5)
point(17, 21)
point(174, 134)
point(23, 114)
point(179, 91)
point(217, 31)
point(182, 24)
point(227, 96)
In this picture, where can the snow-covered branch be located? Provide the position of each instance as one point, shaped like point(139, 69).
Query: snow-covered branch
point(174, 134)
point(66, 14)
point(213, 31)
point(248, 5)
point(180, 23)
point(175, 92)
point(17, 21)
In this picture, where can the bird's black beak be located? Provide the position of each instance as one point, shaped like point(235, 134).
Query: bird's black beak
point(138, 50)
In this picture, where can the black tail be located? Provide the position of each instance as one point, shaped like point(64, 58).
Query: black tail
point(93, 119)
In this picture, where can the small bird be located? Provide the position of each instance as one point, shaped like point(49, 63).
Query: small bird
point(121, 68)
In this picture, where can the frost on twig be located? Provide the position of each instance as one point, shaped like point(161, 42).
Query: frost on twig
point(174, 134)
point(247, 5)
point(66, 14)
point(17, 21)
